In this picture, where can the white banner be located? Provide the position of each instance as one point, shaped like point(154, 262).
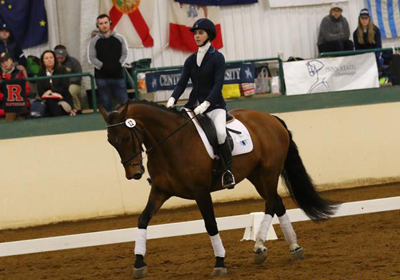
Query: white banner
point(293, 3)
point(331, 74)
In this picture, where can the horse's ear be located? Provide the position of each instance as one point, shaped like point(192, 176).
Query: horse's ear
point(124, 111)
point(104, 113)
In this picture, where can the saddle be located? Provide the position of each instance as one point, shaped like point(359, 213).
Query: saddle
point(237, 134)
point(211, 133)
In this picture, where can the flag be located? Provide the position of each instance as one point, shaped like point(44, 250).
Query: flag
point(217, 2)
point(133, 19)
point(181, 19)
point(27, 20)
point(386, 15)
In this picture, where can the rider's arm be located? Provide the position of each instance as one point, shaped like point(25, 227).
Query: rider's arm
point(219, 74)
point(183, 80)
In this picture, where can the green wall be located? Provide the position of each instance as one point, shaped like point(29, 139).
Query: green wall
point(272, 104)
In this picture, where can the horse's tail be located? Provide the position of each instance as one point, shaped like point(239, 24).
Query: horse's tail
point(301, 186)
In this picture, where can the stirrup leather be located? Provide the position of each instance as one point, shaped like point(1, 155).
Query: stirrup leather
point(228, 184)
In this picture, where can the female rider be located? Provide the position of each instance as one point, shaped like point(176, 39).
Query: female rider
point(206, 69)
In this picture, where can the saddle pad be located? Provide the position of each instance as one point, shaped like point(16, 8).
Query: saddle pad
point(242, 143)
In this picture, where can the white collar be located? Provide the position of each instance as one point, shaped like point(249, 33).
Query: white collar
point(204, 49)
point(202, 52)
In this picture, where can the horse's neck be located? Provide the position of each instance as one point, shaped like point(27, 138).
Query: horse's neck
point(160, 124)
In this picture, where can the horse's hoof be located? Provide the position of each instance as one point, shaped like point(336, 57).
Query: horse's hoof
point(217, 271)
point(260, 256)
point(297, 253)
point(139, 273)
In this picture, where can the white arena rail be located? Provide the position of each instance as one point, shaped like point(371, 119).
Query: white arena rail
point(250, 222)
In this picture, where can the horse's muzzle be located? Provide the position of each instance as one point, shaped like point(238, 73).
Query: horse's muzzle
point(137, 175)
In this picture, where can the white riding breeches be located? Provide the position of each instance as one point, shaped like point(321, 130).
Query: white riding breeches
point(218, 117)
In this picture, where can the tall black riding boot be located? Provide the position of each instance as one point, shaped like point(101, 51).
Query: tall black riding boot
point(228, 181)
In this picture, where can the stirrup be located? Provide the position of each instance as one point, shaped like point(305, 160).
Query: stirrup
point(229, 185)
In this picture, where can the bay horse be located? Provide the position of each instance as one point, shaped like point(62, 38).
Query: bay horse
point(179, 165)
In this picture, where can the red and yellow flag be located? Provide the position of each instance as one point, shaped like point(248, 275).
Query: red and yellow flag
point(133, 19)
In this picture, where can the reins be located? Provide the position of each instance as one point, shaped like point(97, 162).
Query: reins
point(173, 132)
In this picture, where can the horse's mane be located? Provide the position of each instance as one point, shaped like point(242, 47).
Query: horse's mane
point(144, 102)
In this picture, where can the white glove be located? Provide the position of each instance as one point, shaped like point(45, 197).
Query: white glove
point(202, 108)
point(171, 102)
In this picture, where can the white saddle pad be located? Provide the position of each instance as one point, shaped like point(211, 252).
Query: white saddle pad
point(242, 143)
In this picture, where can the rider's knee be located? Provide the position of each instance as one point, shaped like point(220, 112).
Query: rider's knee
point(221, 137)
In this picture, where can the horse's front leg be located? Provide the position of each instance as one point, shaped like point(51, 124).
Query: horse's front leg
point(204, 202)
point(154, 203)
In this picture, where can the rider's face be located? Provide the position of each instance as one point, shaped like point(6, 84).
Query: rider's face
point(200, 36)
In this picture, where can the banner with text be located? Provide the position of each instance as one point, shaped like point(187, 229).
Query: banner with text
point(167, 80)
point(331, 74)
point(294, 3)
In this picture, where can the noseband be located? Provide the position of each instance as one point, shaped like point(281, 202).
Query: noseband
point(131, 124)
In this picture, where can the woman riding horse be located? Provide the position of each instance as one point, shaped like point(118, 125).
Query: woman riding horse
point(206, 68)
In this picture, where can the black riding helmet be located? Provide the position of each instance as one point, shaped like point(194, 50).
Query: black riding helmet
point(207, 25)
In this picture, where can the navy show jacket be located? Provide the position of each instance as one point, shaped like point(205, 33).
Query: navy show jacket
point(207, 80)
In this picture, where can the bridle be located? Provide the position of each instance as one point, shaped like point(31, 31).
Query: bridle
point(132, 130)
point(131, 124)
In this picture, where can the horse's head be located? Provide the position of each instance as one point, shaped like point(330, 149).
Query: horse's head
point(127, 139)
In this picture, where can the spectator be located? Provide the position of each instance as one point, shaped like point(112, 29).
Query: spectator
point(72, 65)
point(334, 32)
point(367, 35)
point(11, 83)
point(8, 45)
point(53, 92)
point(108, 52)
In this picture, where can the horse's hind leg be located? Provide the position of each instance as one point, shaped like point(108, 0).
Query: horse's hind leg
point(204, 202)
point(296, 251)
point(154, 203)
point(266, 182)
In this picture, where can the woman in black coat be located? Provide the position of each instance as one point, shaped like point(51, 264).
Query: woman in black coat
point(206, 69)
point(53, 92)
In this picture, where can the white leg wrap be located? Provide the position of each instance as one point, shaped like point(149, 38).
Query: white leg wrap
point(216, 242)
point(140, 244)
point(264, 226)
point(288, 231)
point(262, 233)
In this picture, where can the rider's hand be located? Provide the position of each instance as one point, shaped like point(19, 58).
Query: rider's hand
point(171, 102)
point(202, 108)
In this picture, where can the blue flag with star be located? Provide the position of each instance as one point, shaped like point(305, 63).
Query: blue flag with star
point(27, 20)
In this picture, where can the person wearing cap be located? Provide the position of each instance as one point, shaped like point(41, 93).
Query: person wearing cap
point(367, 35)
point(53, 92)
point(10, 46)
point(334, 32)
point(108, 52)
point(206, 69)
point(72, 65)
point(10, 72)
